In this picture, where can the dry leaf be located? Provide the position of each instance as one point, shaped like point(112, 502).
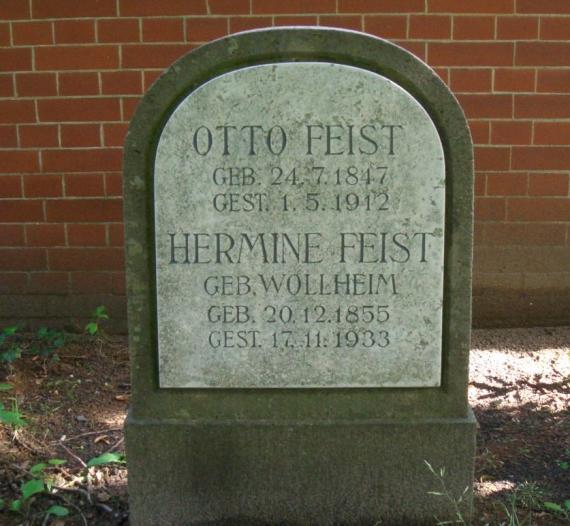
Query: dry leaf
point(101, 438)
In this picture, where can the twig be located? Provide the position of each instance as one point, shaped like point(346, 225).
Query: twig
point(72, 454)
point(115, 446)
point(89, 433)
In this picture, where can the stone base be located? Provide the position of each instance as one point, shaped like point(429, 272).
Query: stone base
point(296, 473)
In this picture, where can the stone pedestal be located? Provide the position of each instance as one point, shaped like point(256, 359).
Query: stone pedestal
point(296, 473)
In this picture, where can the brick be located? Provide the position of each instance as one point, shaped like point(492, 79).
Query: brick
point(80, 135)
point(431, 27)
point(77, 57)
point(4, 34)
point(542, 53)
point(91, 282)
point(18, 161)
point(480, 184)
point(84, 185)
point(21, 211)
point(17, 111)
point(6, 85)
point(486, 106)
point(470, 6)
point(415, 48)
point(480, 131)
point(114, 184)
point(163, 30)
point(11, 235)
point(552, 133)
point(473, 27)
point(489, 209)
point(267, 7)
point(510, 80)
point(74, 31)
point(245, 23)
point(470, 54)
point(79, 110)
point(129, 106)
point(36, 84)
point(524, 234)
point(511, 132)
point(121, 82)
point(471, 80)
point(114, 134)
point(118, 30)
point(116, 235)
point(353, 22)
point(98, 259)
point(541, 158)
point(554, 28)
point(84, 210)
point(45, 235)
point(78, 84)
point(552, 80)
point(231, 7)
point(67, 9)
point(507, 184)
point(386, 26)
point(39, 136)
point(15, 59)
point(517, 27)
point(205, 29)
point(380, 6)
point(169, 8)
point(293, 20)
point(443, 74)
point(14, 9)
point(149, 77)
point(22, 258)
point(10, 186)
point(548, 184)
point(152, 55)
point(537, 209)
point(86, 235)
point(32, 33)
point(119, 283)
point(544, 6)
point(41, 185)
point(82, 160)
point(8, 137)
point(48, 283)
point(13, 282)
point(542, 106)
point(494, 158)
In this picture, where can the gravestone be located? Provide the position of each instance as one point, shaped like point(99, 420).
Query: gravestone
point(298, 208)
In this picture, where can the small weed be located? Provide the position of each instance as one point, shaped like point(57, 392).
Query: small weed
point(11, 417)
point(94, 326)
point(530, 495)
point(445, 493)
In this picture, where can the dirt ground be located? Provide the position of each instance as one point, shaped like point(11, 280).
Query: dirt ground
point(74, 409)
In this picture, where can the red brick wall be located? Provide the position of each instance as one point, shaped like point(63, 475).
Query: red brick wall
point(71, 73)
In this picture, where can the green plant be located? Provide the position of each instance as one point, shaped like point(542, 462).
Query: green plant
point(9, 348)
point(530, 495)
point(12, 418)
point(107, 458)
point(40, 482)
point(562, 510)
point(94, 326)
point(48, 342)
point(512, 513)
point(445, 493)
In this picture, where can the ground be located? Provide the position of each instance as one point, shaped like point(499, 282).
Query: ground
point(75, 407)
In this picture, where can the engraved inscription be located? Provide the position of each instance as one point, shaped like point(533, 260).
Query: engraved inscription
point(299, 233)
